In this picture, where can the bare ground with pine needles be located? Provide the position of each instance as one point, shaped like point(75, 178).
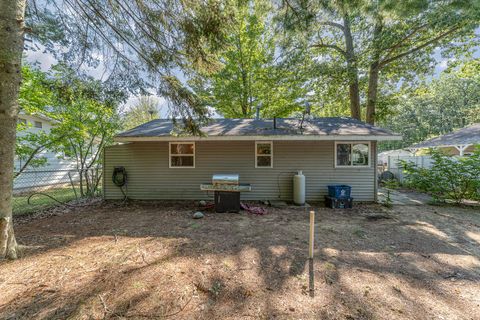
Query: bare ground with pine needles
point(150, 260)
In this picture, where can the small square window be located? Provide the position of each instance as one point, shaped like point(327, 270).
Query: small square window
point(263, 154)
point(38, 124)
point(182, 154)
point(22, 121)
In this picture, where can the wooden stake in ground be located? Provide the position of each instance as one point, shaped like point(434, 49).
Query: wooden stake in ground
point(12, 28)
point(311, 246)
point(312, 234)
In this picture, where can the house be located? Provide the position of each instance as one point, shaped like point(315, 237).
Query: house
point(56, 164)
point(457, 143)
point(35, 124)
point(385, 156)
point(266, 153)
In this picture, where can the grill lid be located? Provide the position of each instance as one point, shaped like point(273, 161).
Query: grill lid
point(230, 179)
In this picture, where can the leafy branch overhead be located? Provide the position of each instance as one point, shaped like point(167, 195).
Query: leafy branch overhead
point(140, 43)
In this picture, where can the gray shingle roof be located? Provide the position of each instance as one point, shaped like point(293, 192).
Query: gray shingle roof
point(467, 135)
point(340, 126)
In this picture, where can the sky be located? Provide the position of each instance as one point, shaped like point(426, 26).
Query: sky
point(46, 60)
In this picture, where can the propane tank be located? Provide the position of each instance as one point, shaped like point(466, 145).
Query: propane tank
point(299, 188)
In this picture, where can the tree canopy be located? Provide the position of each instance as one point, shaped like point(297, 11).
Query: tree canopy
point(436, 107)
point(251, 74)
point(364, 49)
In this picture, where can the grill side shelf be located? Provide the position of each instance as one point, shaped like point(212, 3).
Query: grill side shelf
point(225, 187)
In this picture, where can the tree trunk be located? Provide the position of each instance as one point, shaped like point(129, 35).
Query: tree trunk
point(372, 92)
point(12, 13)
point(352, 71)
point(373, 74)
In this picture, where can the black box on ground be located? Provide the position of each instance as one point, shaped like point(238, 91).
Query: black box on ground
point(338, 203)
point(226, 201)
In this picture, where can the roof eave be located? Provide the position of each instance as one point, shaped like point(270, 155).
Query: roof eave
point(265, 137)
point(441, 145)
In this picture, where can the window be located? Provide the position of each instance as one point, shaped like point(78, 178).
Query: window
point(37, 124)
point(22, 121)
point(182, 154)
point(263, 154)
point(356, 154)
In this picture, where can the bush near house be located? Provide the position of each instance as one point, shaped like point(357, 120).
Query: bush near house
point(455, 178)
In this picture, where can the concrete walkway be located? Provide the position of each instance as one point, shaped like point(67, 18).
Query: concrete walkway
point(405, 198)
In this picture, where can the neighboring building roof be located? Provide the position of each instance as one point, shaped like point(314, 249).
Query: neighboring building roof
point(250, 129)
point(37, 115)
point(394, 152)
point(465, 136)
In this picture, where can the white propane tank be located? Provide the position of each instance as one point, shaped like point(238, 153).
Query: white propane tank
point(299, 188)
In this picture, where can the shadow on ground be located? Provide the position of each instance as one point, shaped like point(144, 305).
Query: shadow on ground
point(151, 260)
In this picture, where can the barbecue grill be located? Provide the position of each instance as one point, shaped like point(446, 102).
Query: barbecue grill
point(226, 188)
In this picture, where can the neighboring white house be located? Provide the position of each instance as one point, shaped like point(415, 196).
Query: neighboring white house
point(57, 165)
point(390, 161)
point(385, 156)
point(37, 124)
point(457, 143)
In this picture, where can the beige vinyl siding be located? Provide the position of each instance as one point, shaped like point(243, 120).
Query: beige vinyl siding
point(149, 175)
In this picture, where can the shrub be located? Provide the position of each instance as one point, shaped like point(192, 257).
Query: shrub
point(455, 178)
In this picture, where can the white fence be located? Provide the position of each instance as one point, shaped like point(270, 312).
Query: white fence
point(29, 180)
point(392, 164)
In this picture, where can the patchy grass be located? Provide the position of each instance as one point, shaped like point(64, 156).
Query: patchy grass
point(152, 261)
point(41, 202)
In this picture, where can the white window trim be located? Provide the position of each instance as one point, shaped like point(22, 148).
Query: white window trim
point(264, 155)
point(170, 155)
point(352, 143)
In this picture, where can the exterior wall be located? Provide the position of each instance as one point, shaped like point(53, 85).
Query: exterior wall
point(36, 177)
point(54, 160)
point(149, 175)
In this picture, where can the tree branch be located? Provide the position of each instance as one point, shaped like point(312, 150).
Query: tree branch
point(400, 42)
point(331, 46)
point(406, 53)
point(30, 158)
point(332, 24)
point(34, 153)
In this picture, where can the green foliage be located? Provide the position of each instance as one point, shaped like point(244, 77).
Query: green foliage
point(250, 75)
point(141, 44)
point(84, 115)
point(34, 99)
point(146, 109)
point(88, 120)
point(437, 107)
point(392, 44)
point(448, 178)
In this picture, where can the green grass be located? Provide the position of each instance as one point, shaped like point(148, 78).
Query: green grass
point(40, 202)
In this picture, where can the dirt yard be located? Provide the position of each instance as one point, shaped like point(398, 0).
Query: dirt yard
point(153, 261)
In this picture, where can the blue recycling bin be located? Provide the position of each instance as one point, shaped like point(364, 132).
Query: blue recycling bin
point(340, 191)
